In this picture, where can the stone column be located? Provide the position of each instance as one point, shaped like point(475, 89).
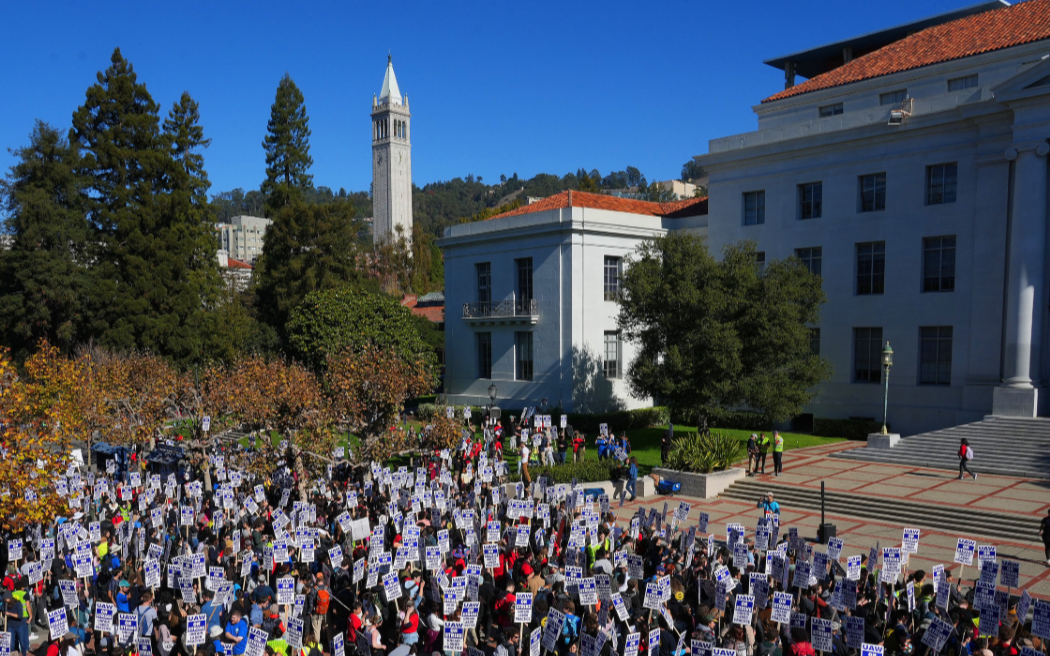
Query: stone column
point(1026, 298)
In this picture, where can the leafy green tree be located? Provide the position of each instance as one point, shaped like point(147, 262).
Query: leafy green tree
point(716, 335)
point(287, 146)
point(346, 319)
point(585, 183)
point(42, 273)
point(308, 248)
point(692, 170)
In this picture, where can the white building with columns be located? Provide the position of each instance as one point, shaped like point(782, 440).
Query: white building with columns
point(530, 300)
point(910, 171)
point(391, 161)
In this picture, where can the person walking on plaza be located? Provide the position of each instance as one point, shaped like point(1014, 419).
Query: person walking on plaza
point(1044, 531)
point(778, 453)
point(763, 448)
point(632, 481)
point(965, 456)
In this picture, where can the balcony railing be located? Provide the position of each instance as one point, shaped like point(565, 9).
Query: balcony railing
point(509, 309)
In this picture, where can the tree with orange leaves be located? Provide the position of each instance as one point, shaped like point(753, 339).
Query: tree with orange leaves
point(34, 449)
point(367, 389)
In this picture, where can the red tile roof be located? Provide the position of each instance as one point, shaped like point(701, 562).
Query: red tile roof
point(675, 209)
point(1015, 25)
point(436, 313)
point(237, 264)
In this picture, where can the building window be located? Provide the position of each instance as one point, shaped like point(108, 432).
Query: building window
point(871, 268)
point(523, 356)
point(814, 341)
point(811, 258)
point(613, 271)
point(872, 192)
point(893, 97)
point(611, 364)
point(867, 355)
point(941, 182)
point(754, 207)
point(484, 275)
point(809, 200)
point(484, 341)
point(760, 260)
point(960, 83)
point(830, 110)
point(524, 266)
point(935, 355)
point(938, 264)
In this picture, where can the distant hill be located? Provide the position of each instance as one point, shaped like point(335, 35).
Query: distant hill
point(440, 204)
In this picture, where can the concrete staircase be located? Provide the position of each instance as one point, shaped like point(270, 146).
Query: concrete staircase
point(964, 522)
point(1003, 446)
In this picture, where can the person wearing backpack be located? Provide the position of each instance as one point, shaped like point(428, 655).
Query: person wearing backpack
point(319, 600)
point(965, 456)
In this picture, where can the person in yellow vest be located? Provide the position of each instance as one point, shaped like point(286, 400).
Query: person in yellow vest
point(778, 453)
point(763, 448)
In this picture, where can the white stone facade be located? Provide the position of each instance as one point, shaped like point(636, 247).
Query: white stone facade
point(391, 162)
point(992, 130)
point(568, 321)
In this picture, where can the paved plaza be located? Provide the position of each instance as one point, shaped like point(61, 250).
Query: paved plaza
point(808, 467)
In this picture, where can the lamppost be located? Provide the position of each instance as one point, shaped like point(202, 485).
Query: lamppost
point(493, 391)
point(887, 362)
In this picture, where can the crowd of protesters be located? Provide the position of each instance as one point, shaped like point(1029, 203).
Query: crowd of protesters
point(440, 556)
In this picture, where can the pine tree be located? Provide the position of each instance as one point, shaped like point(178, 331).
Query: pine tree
point(41, 274)
point(189, 264)
point(153, 272)
point(307, 248)
point(287, 146)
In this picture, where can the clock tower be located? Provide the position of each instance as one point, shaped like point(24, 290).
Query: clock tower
point(391, 161)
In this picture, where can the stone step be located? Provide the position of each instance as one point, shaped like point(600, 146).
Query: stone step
point(964, 522)
point(1002, 446)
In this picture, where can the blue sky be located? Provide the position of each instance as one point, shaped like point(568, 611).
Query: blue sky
point(494, 87)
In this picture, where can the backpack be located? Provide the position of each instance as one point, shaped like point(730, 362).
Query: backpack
point(969, 453)
point(321, 602)
point(270, 623)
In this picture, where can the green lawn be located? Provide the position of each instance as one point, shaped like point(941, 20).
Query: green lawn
point(645, 444)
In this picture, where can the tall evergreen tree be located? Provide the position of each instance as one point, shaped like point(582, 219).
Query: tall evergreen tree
point(190, 265)
point(153, 270)
point(42, 273)
point(287, 146)
point(308, 248)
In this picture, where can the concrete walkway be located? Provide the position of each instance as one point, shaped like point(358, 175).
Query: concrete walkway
point(808, 467)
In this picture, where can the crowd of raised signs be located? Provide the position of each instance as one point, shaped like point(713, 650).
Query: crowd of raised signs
point(443, 557)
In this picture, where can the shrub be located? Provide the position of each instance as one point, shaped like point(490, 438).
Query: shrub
point(621, 420)
point(741, 420)
point(851, 429)
point(704, 454)
point(588, 471)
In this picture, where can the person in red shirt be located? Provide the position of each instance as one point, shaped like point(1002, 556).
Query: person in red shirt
point(579, 447)
point(409, 625)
